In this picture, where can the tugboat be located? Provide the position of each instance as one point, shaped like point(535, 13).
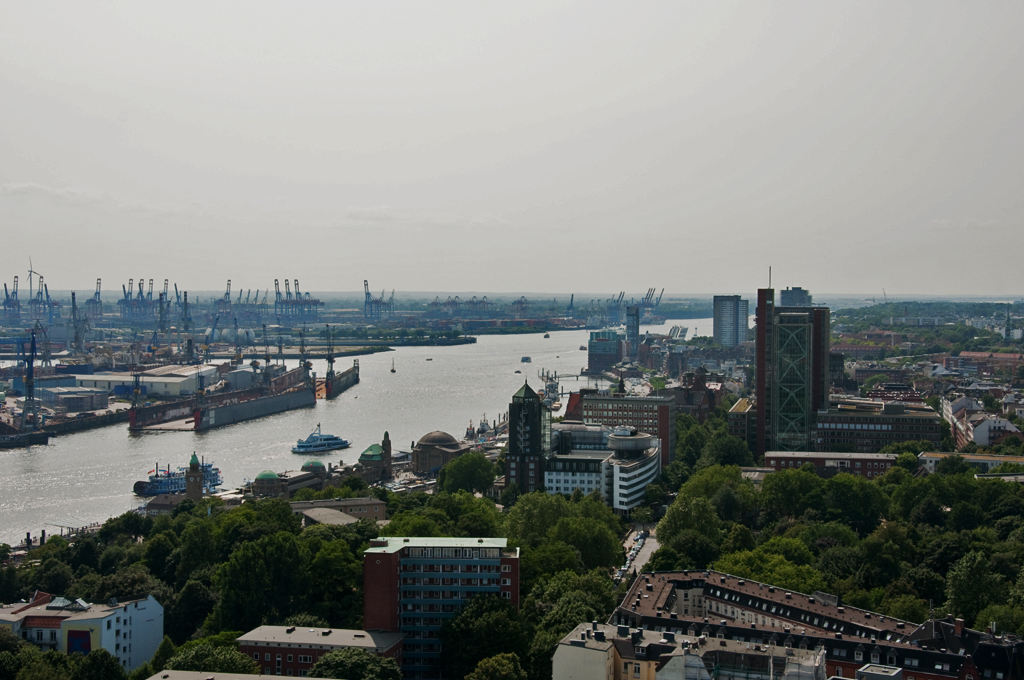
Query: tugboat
point(173, 481)
point(318, 442)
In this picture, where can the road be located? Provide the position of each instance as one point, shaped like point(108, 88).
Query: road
point(644, 556)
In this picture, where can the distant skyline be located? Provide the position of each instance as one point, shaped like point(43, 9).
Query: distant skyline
point(516, 148)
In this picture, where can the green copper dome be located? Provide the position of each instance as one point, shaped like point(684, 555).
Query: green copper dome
point(267, 474)
point(194, 460)
point(311, 464)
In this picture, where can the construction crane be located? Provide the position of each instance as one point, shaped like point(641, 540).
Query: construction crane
point(30, 414)
point(47, 353)
point(378, 308)
point(12, 305)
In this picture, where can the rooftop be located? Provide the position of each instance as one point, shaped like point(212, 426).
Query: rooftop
point(396, 543)
point(833, 455)
point(320, 637)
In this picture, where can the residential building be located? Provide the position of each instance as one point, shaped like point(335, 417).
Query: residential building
point(411, 585)
point(130, 630)
point(654, 414)
point(595, 651)
point(731, 314)
point(984, 429)
point(795, 297)
point(868, 465)
point(697, 394)
point(792, 373)
point(725, 608)
point(742, 421)
point(291, 650)
point(868, 425)
point(617, 463)
point(983, 462)
point(633, 331)
point(529, 440)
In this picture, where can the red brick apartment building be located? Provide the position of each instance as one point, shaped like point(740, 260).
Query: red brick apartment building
point(292, 651)
point(411, 585)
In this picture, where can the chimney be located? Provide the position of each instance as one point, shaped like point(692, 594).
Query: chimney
point(958, 626)
point(599, 635)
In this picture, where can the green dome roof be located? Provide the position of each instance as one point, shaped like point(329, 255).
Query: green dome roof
point(267, 474)
point(194, 460)
point(313, 464)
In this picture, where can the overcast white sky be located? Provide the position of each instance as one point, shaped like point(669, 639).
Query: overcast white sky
point(522, 146)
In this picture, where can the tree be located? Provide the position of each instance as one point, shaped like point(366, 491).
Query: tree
point(498, 667)
point(164, 653)
point(208, 658)
point(99, 664)
point(486, 626)
point(9, 642)
point(306, 621)
point(970, 587)
point(642, 516)
point(468, 472)
point(533, 516)
point(952, 465)
point(597, 544)
point(352, 663)
point(725, 449)
point(688, 512)
point(785, 493)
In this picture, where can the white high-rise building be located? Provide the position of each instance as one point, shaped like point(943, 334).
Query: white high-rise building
point(730, 320)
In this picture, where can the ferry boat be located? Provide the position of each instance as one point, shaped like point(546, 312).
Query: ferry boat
point(173, 481)
point(317, 442)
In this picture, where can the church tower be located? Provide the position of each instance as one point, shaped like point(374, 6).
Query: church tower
point(194, 480)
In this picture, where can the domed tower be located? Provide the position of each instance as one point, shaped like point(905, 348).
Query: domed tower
point(194, 480)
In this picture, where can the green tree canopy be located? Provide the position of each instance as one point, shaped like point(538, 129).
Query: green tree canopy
point(208, 658)
point(486, 626)
point(468, 472)
point(353, 663)
point(498, 667)
point(99, 664)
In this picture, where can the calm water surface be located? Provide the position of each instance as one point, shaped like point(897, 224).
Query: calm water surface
point(88, 477)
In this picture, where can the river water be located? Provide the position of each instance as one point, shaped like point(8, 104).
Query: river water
point(88, 476)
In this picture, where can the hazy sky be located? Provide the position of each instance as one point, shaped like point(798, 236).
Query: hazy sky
point(515, 146)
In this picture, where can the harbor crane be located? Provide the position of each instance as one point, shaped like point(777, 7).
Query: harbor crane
point(12, 305)
point(378, 308)
point(94, 306)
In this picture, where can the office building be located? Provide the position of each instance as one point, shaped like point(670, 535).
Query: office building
point(291, 650)
point(647, 414)
point(792, 373)
point(618, 463)
point(633, 331)
point(868, 425)
point(412, 585)
point(868, 465)
point(604, 350)
point(794, 297)
point(529, 440)
point(131, 630)
point(730, 319)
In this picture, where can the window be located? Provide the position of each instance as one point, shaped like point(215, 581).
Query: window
point(289, 658)
point(636, 670)
point(506, 581)
point(507, 595)
point(108, 623)
point(858, 656)
point(305, 658)
point(256, 656)
point(266, 657)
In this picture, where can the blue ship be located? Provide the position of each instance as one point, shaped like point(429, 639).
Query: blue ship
point(173, 481)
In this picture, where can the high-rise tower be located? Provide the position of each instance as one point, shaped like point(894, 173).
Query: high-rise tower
point(792, 372)
point(731, 314)
point(194, 480)
point(529, 440)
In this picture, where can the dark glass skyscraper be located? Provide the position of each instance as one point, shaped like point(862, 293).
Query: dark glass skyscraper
point(792, 372)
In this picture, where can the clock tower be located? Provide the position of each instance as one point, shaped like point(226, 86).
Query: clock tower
point(194, 480)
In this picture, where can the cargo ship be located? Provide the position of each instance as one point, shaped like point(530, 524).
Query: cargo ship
point(276, 390)
point(173, 481)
